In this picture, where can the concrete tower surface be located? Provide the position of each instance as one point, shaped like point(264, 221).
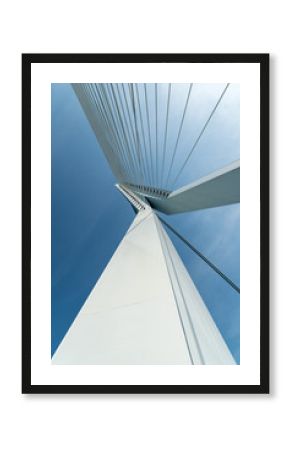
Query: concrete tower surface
point(144, 309)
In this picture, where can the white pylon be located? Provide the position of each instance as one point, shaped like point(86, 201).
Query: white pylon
point(144, 309)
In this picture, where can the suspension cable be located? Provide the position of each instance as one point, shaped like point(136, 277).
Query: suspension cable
point(198, 253)
point(129, 136)
point(179, 133)
point(143, 136)
point(156, 133)
point(201, 133)
point(124, 132)
point(149, 132)
point(165, 136)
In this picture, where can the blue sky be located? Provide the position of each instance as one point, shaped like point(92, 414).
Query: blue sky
point(87, 227)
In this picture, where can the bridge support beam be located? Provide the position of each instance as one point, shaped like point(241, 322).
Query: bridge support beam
point(219, 188)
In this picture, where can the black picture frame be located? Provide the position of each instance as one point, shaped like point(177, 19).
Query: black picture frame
point(263, 61)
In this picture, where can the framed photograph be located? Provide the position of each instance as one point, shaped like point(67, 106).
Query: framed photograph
point(145, 227)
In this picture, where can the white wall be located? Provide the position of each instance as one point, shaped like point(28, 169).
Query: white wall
point(226, 422)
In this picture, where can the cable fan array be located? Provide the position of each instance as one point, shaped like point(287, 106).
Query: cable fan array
point(133, 124)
